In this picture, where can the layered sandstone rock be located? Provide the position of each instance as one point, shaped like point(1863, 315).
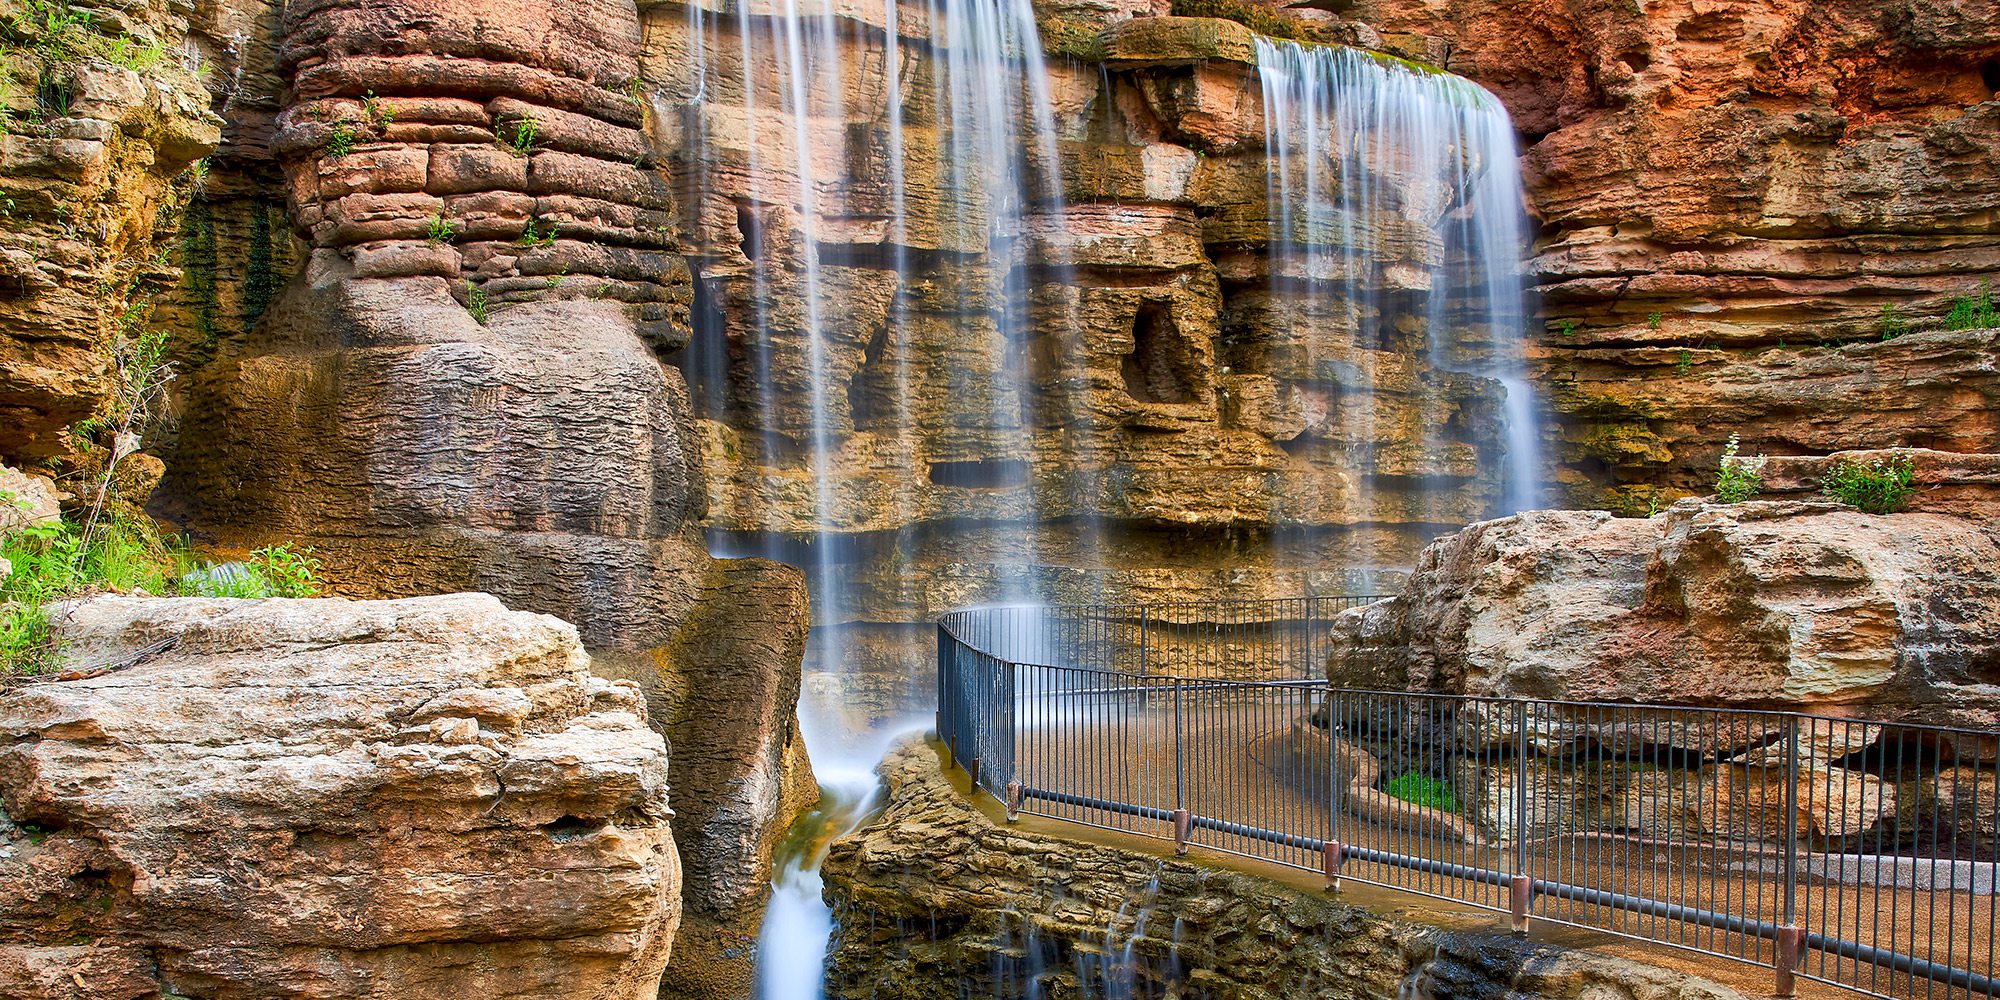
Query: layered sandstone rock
point(934, 898)
point(88, 165)
point(1741, 201)
point(1790, 604)
point(724, 694)
point(420, 798)
point(461, 388)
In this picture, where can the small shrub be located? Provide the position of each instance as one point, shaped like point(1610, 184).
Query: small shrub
point(519, 135)
point(1890, 324)
point(1419, 790)
point(1566, 328)
point(534, 237)
point(1974, 312)
point(1738, 477)
point(1684, 362)
point(475, 302)
point(286, 571)
point(1653, 321)
point(341, 142)
point(377, 110)
point(440, 230)
point(1879, 487)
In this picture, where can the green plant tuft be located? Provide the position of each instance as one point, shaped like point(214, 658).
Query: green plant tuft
point(1974, 312)
point(1653, 321)
point(1738, 477)
point(1566, 328)
point(533, 236)
point(1879, 487)
point(1420, 790)
point(378, 111)
point(1684, 362)
point(1890, 324)
point(341, 141)
point(519, 134)
point(475, 302)
point(439, 230)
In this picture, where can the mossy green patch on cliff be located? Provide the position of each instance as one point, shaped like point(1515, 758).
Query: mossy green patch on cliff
point(1257, 19)
point(1070, 38)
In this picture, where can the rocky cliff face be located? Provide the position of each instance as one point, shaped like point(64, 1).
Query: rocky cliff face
point(255, 799)
point(933, 898)
point(1745, 207)
point(1789, 604)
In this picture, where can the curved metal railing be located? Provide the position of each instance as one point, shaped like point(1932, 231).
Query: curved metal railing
point(1856, 853)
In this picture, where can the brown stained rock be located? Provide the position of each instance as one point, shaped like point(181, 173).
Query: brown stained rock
point(81, 199)
point(259, 809)
point(724, 694)
point(934, 898)
point(1763, 604)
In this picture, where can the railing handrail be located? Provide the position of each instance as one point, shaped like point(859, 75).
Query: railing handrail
point(988, 718)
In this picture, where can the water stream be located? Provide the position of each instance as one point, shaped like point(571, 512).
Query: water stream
point(869, 188)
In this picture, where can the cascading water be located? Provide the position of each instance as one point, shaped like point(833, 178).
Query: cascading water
point(870, 191)
point(1361, 145)
point(819, 105)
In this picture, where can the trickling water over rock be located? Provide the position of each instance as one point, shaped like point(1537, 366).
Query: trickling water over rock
point(937, 901)
point(430, 798)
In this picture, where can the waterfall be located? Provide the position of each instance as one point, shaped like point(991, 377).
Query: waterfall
point(816, 253)
point(1361, 145)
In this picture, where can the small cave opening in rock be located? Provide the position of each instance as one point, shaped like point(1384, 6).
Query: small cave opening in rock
point(1161, 368)
point(1989, 73)
point(750, 232)
point(981, 474)
point(572, 827)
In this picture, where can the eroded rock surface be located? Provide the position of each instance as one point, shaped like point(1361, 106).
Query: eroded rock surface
point(725, 692)
point(331, 799)
point(1765, 604)
point(934, 899)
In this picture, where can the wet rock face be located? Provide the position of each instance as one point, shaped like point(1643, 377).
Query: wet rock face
point(1741, 202)
point(461, 389)
point(934, 900)
point(1789, 604)
point(420, 798)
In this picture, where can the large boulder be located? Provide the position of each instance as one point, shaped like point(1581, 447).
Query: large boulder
point(1767, 604)
point(330, 799)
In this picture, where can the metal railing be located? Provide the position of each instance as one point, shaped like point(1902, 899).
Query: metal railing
point(1860, 854)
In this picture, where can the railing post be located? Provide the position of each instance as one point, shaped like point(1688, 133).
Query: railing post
point(1183, 829)
point(1180, 752)
point(1791, 938)
point(1015, 795)
point(1332, 855)
point(1521, 891)
point(973, 773)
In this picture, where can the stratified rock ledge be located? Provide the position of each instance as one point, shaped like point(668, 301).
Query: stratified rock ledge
point(330, 799)
point(934, 901)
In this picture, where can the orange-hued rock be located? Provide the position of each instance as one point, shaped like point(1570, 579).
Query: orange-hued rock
point(428, 798)
point(1732, 194)
point(1790, 603)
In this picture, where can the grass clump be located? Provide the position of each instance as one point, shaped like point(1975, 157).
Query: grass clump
point(519, 135)
point(1879, 487)
point(1890, 324)
point(439, 230)
point(1974, 312)
point(475, 302)
point(1417, 789)
point(1738, 477)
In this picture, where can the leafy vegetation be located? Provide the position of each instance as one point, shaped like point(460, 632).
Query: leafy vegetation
point(1890, 324)
point(341, 141)
point(1653, 321)
point(475, 302)
point(378, 111)
point(533, 236)
point(1974, 312)
point(1738, 477)
point(1684, 362)
point(1566, 328)
point(519, 135)
point(1879, 487)
point(440, 230)
point(1417, 789)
